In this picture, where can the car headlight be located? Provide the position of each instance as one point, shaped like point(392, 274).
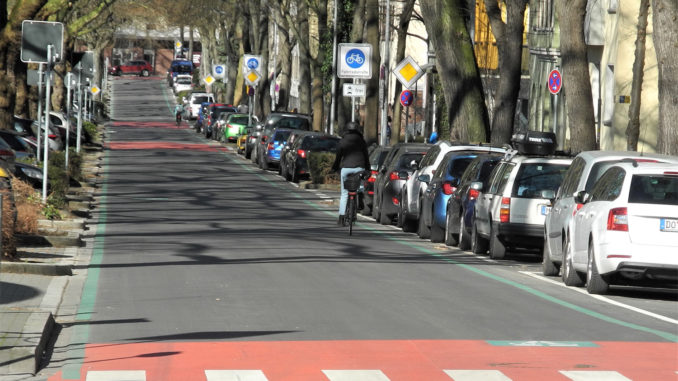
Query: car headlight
point(32, 172)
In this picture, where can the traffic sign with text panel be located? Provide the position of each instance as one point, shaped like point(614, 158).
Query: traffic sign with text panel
point(354, 61)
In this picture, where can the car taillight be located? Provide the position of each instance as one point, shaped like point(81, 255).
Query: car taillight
point(373, 177)
point(271, 146)
point(263, 139)
point(393, 176)
point(301, 153)
point(5, 152)
point(51, 136)
point(576, 208)
point(618, 220)
point(505, 209)
point(473, 194)
point(395, 201)
point(448, 188)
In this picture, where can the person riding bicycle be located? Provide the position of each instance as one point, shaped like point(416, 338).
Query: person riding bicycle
point(352, 157)
point(178, 112)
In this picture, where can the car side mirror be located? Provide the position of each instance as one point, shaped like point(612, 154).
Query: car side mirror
point(477, 185)
point(549, 194)
point(424, 178)
point(581, 197)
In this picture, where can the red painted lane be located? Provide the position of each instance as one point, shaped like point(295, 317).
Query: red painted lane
point(168, 125)
point(146, 145)
point(399, 360)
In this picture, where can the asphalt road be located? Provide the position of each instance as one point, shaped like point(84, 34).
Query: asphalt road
point(203, 261)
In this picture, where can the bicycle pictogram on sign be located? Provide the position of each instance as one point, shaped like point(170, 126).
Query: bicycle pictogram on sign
point(355, 58)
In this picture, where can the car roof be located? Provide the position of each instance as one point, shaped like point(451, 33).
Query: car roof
point(607, 155)
point(645, 167)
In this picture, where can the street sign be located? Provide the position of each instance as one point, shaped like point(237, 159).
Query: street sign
point(406, 98)
point(85, 65)
point(36, 36)
point(219, 71)
point(250, 62)
point(354, 90)
point(209, 79)
point(252, 78)
point(354, 61)
point(408, 72)
point(555, 81)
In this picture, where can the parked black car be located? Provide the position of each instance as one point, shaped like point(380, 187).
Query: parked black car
point(377, 157)
point(284, 152)
point(297, 160)
point(398, 165)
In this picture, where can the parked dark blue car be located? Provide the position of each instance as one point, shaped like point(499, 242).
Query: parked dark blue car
point(274, 144)
point(440, 187)
point(460, 206)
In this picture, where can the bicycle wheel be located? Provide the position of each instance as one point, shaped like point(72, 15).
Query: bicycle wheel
point(350, 209)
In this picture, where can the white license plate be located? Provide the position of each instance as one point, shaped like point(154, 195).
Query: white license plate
point(544, 209)
point(667, 225)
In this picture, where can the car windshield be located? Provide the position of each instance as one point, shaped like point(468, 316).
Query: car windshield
point(184, 81)
point(293, 123)
point(321, 143)
point(654, 189)
point(458, 166)
point(533, 178)
point(281, 136)
point(200, 99)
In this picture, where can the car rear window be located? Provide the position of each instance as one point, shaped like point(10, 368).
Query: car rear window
point(239, 120)
point(405, 161)
point(200, 99)
point(458, 166)
point(293, 123)
point(281, 136)
point(320, 143)
point(654, 189)
point(14, 142)
point(533, 178)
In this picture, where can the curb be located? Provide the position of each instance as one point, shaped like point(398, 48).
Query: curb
point(33, 340)
point(71, 240)
point(48, 269)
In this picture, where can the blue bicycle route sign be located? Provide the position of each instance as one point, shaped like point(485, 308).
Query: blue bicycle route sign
point(252, 63)
point(354, 61)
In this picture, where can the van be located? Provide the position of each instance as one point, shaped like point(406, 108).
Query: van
point(195, 100)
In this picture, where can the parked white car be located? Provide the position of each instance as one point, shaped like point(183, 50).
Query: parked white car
point(196, 100)
point(586, 169)
point(627, 230)
point(182, 83)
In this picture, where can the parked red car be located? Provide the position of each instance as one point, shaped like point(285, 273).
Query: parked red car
point(139, 67)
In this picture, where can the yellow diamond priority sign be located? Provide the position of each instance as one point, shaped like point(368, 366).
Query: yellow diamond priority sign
point(95, 90)
point(209, 79)
point(408, 72)
point(252, 78)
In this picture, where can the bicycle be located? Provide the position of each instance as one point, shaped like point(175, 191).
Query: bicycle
point(352, 184)
point(178, 118)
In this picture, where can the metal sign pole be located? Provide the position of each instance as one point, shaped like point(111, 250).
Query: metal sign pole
point(386, 72)
point(333, 106)
point(353, 105)
point(47, 101)
point(407, 120)
point(68, 114)
point(77, 142)
point(40, 94)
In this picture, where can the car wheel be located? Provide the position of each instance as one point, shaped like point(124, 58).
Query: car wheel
point(295, 176)
point(548, 268)
point(478, 243)
point(464, 239)
point(248, 153)
point(595, 283)
point(570, 276)
point(384, 219)
point(400, 219)
point(450, 237)
point(497, 249)
point(437, 233)
point(145, 73)
point(423, 231)
point(375, 210)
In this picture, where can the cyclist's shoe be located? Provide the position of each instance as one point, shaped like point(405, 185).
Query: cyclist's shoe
point(341, 221)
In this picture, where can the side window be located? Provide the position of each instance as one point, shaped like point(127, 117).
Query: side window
point(430, 157)
point(470, 172)
point(503, 180)
point(501, 172)
point(609, 185)
point(571, 179)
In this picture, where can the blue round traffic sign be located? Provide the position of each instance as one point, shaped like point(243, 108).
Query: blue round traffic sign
point(406, 98)
point(555, 81)
point(355, 58)
point(218, 69)
point(252, 63)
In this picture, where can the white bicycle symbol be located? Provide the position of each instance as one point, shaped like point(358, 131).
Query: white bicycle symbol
point(355, 58)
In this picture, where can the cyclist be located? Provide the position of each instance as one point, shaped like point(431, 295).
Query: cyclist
point(351, 157)
point(178, 112)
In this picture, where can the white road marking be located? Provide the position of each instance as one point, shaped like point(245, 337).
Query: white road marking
point(355, 375)
point(116, 375)
point(603, 298)
point(584, 375)
point(235, 375)
point(474, 375)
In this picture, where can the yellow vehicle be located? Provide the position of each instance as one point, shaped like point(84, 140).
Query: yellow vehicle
point(242, 141)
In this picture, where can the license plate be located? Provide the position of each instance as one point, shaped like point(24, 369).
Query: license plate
point(544, 209)
point(667, 225)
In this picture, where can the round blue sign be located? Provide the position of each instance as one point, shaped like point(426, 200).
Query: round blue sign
point(406, 98)
point(355, 58)
point(218, 69)
point(252, 63)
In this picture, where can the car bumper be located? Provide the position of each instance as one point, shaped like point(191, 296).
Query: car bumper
point(522, 235)
point(618, 254)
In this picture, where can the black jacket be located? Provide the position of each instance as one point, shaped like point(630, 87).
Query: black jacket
point(352, 152)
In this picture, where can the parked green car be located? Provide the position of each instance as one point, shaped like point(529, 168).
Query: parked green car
point(235, 126)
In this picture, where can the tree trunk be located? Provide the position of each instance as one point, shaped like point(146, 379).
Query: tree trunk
point(355, 36)
point(664, 17)
point(318, 59)
point(371, 117)
point(633, 128)
point(577, 88)
point(304, 58)
point(283, 59)
point(509, 38)
point(401, 31)
point(457, 67)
